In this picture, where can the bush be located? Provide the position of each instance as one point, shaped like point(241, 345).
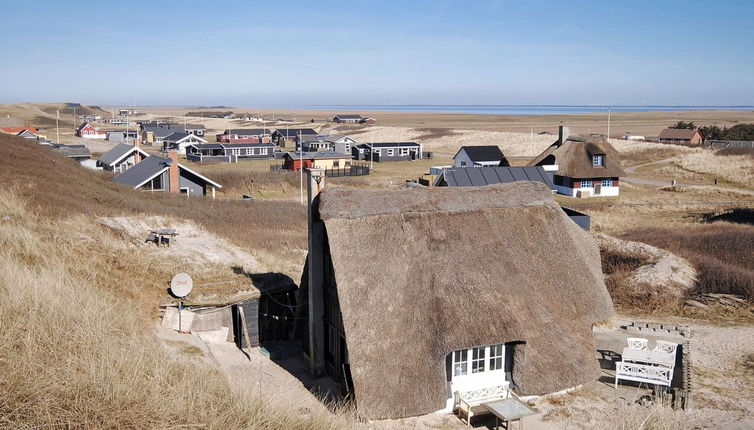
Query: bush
point(723, 254)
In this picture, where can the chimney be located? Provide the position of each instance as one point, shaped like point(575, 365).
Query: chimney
point(563, 133)
point(173, 175)
point(137, 154)
point(315, 264)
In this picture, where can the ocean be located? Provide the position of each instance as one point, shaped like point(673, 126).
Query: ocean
point(511, 109)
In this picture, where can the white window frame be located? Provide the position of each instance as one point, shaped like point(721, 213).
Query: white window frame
point(607, 182)
point(404, 151)
point(262, 151)
point(390, 152)
point(598, 160)
point(473, 358)
point(586, 183)
point(236, 151)
point(249, 151)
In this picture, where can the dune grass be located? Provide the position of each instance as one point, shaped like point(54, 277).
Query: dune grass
point(78, 355)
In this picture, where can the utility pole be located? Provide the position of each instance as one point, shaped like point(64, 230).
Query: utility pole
point(301, 169)
point(609, 108)
point(531, 143)
point(57, 128)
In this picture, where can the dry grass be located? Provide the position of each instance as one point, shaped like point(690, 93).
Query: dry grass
point(628, 295)
point(76, 355)
point(733, 168)
point(59, 188)
point(723, 254)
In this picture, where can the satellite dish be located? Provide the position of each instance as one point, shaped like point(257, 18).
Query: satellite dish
point(181, 285)
point(169, 162)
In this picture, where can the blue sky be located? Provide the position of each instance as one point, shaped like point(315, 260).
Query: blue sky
point(257, 53)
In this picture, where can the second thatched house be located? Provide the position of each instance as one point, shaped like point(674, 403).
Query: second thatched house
point(582, 166)
point(419, 295)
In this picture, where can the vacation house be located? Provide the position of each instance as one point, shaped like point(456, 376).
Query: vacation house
point(121, 157)
point(285, 136)
point(179, 141)
point(229, 152)
point(681, 136)
point(485, 289)
point(88, 131)
point(388, 151)
point(480, 156)
point(159, 174)
point(245, 135)
point(348, 119)
point(320, 159)
point(582, 166)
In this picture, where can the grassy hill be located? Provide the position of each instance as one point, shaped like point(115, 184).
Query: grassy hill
point(79, 349)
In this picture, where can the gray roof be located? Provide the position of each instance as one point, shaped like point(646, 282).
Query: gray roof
point(388, 144)
point(141, 172)
point(293, 132)
point(73, 151)
point(348, 116)
point(151, 167)
point(482, 153)
point(480, 176)
point(161, 132)
point(176, 136)
point(115, 153)
point(248, 131)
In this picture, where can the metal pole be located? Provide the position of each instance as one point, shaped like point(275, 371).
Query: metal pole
point(57, 128)
point(301, 170)
point(180, 308)
point(608, 122)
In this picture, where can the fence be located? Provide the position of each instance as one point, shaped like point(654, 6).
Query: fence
point(353, 170)
point(729, 143)
point(335, 172)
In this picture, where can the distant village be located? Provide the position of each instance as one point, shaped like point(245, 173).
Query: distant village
point(155, 155)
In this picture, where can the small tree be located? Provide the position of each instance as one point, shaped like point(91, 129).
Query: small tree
point(684, 125)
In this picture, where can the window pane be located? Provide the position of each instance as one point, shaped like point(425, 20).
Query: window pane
point(477, 362)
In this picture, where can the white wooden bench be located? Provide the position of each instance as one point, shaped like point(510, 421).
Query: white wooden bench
point(470, 401)
point(657, 375)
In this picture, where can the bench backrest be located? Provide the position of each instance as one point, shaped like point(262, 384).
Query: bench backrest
point(665, 346)
point(484, 393)
point(638, 343)
point(644, 373)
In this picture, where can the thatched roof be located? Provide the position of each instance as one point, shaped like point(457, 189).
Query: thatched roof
point(574, 158)
point(422, 272)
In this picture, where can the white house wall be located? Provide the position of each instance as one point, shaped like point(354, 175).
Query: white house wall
point(604, 192)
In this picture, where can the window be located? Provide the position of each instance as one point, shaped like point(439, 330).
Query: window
point(263, 151)
point(390, 152)
point(586, 183)
point(249, 151)
point(460, 362)
point(236, 151)
point(607, 182)
point(463, 164)
point(404, 151)
point(598, 160)
point(477, 359)
point(496, 357)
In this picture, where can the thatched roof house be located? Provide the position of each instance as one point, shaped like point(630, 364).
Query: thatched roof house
point(407, 281)
point(582, 166)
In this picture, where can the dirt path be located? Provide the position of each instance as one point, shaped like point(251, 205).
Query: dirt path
point(634, 178)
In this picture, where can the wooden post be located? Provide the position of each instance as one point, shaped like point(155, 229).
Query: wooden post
point(245, 329)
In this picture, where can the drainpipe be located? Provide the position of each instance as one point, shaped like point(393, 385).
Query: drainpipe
point(315, 259)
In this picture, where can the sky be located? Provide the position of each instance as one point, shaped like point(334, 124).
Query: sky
point(294, 53)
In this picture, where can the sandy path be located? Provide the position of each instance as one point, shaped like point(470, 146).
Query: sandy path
point(634, 178)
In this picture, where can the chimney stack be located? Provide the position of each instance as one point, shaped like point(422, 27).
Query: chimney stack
point(137, 154)
point(315, 263)
point(563, 133)
point(173, 174)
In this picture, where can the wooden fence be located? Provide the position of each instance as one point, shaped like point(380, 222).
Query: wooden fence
point(729, 143)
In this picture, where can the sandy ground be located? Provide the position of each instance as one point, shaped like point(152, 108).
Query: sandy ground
point(193, 245)
point(638, 123)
